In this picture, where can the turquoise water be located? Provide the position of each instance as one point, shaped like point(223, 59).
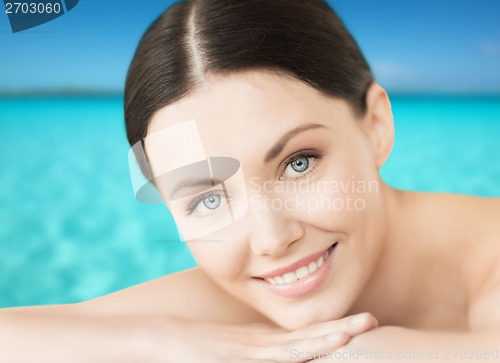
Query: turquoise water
point(71, 229)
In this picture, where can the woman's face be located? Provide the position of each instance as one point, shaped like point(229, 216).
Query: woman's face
point(310, 172)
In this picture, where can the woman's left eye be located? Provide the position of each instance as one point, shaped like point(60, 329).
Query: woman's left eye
point(299, 166)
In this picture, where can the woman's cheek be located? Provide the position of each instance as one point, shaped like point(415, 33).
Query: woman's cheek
point(220, 259)
point(335, 198)
point(331, 210)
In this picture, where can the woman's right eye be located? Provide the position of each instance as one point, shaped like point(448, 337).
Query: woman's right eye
point(212, 202)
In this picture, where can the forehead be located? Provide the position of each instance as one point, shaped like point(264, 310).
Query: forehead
point(243, 111)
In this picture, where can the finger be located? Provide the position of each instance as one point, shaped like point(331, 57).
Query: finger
point(352, 325)
point(300, 350)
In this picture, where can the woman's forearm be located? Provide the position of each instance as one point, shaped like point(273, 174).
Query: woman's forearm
point(61, 334)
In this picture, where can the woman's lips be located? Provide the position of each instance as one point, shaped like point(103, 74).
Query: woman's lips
point(294, 266)
point(293, 285)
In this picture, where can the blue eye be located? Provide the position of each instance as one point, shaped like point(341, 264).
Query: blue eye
point(206, 204)
point(300, 164)
point(212, 201)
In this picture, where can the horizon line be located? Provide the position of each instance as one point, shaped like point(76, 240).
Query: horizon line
point(70, 91)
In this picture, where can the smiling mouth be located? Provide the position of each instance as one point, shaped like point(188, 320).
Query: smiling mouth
point(301, 272)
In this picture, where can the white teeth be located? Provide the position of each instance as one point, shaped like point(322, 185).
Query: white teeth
point(290, 277)
point(302, 272)
point(279, 280)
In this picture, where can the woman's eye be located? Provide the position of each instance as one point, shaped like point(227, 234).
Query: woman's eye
point(212, 202)
point(206, 204)
point(298, 166)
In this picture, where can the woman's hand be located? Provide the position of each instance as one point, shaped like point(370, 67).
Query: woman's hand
point(177, 340)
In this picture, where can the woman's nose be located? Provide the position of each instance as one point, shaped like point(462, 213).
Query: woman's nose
point(271, 232)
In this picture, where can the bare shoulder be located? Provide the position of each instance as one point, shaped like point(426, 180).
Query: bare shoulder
point(484, 311)
point(468, 205)
point(473, 224)
point(469, 216)
point(476, 220)
point(185, 294)
point(466, 230)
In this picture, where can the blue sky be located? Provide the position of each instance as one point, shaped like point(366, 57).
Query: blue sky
point(425, 45)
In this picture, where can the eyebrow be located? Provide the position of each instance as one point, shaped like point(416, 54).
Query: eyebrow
point(193, 183)
point(280, 144)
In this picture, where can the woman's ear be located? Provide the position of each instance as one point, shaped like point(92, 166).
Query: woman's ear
point(379, 122)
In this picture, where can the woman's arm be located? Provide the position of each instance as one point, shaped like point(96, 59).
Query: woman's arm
point(66, 333)
point(61, 333)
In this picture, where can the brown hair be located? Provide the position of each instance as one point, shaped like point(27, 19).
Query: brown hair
point(302, 38)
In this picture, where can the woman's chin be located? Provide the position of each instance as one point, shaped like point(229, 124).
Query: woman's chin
point(297, 320)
